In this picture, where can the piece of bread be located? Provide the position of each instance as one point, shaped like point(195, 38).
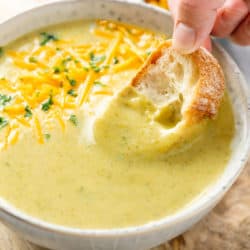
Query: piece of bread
point(195, 81)
point(166, 106)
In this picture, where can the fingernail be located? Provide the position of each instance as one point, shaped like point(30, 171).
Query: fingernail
point(184, 38)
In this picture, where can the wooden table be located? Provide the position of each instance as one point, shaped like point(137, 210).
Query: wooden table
point(227, 227)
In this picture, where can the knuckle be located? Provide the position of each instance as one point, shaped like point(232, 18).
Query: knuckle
point(248, 4)
point(201, 4)
point(239, 7)
point(242, 34)
point(221, 33)
point(229, 17)
point(190, 4)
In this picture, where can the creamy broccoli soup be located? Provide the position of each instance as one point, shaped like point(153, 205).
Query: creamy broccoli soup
point(59, 162)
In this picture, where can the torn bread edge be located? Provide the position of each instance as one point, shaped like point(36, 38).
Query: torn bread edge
point(207, 93)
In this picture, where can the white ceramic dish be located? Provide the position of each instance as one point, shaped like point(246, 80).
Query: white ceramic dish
point(154, 233)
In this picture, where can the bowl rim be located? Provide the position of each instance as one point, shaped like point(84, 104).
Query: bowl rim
point(184, 214)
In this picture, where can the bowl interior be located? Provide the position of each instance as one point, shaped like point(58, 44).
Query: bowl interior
point(158, 20)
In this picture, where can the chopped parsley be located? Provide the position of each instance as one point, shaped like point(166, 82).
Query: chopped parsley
point(129, 31)
point(66, 60)
point(28, 112)
point(148, 53)
point(47, 37)
point(47, 136)
point(32, 59)
point(57, 70)
point(86, 69)
point(73, 119)
point(3, 122)
point(4, 99)
point(98, 83)
point(96, 59)
point(47, 105)
point(1, 51)
point(72, 93)
point(72, 82)
point(96, 68)
point(116, 60)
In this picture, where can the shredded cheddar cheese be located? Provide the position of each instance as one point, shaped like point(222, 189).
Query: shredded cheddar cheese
point(160, 3)
point(57, 76)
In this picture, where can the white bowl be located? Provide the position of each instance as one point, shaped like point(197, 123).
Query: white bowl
point(154, 233)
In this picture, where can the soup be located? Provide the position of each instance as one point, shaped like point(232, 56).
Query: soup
point(54, 84)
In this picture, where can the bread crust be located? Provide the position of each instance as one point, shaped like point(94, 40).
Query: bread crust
point(209, 89)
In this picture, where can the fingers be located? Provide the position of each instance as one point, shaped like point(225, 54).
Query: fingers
point(248, 4)
point(207, 44)
point(242, 34)
point(229, 17)
point(194, 20)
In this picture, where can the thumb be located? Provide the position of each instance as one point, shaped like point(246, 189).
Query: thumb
point(194, 21)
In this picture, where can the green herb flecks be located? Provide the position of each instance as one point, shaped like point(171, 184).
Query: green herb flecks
point(66, 60)
point(47, 37)
point(96, 59)
point(115, 60)
point(57, 70)
point(73, 119)
point(72, 93)
point(64, 63)
point(129, 31)
point(98, 83)
point(47, 105)
point(86, 69)
point(32, 59)
point(47, 136)
point(4, 99)
point(96, 68)
point(1, 51)
point(72, 82)
point(28, 112)
point(3, 122)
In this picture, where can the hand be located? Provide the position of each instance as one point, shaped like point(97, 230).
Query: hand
point(195, 20)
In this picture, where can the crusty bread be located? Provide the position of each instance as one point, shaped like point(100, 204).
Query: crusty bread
point(182, 93)
point(195, 80)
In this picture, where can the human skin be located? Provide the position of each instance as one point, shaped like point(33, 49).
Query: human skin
point(196, 20)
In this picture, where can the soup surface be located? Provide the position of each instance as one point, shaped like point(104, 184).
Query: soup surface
point(54, 85)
